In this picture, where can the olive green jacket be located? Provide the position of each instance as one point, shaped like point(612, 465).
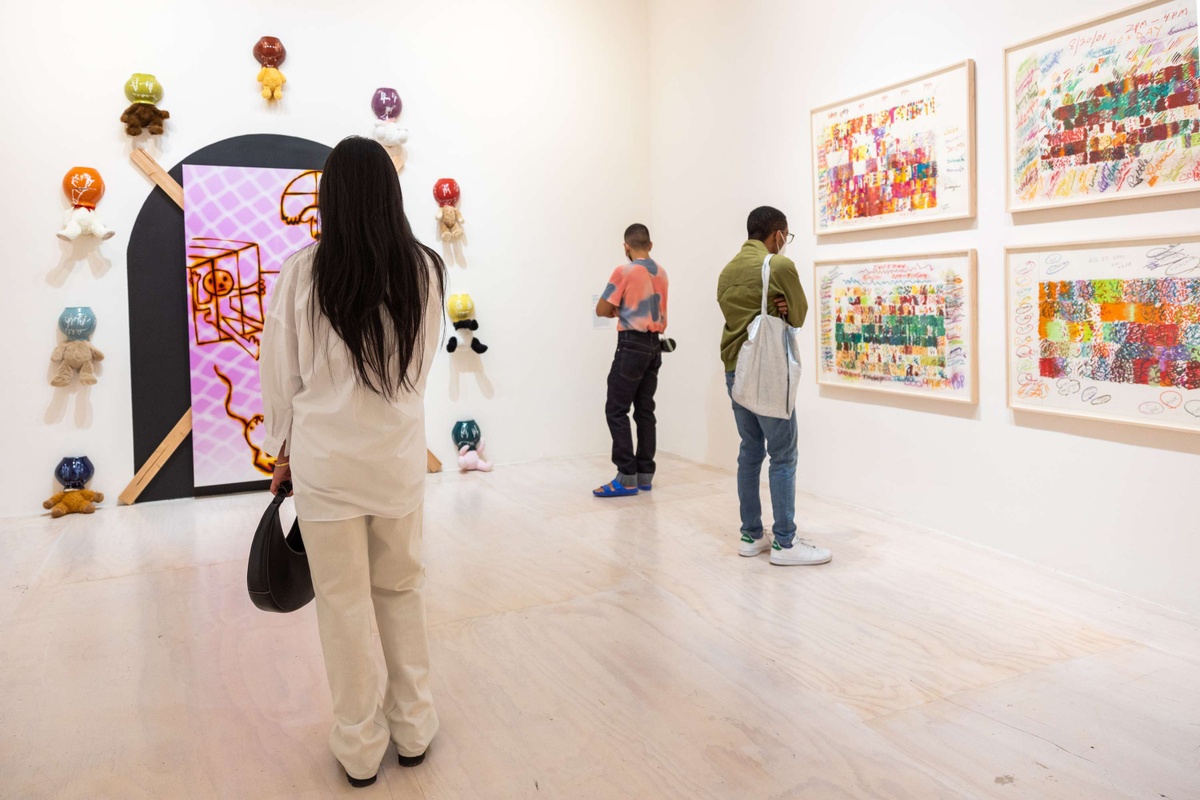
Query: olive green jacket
point(739, 291)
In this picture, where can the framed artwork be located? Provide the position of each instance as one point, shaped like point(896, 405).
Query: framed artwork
point(241, 223)
point(896, 156)
point(1106, 110)
point(1106, 330)
point(903, 325)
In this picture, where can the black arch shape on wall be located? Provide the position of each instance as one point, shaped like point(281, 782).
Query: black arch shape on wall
point(160, 366)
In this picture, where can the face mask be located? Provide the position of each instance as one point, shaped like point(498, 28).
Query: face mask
point(782, 246)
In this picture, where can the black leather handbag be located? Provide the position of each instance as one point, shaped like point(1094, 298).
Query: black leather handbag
point(277, 574)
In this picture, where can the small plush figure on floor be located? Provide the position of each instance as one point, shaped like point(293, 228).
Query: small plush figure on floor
point(84, 187)
point(469, 442)
point(76, 354)
point(461, 309)
point(270, 53)
point(73, 474)
point(144, 91)
point(450, 219)
point(387, 106)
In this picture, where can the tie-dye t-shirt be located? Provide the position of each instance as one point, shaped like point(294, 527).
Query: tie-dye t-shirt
point(639, 290)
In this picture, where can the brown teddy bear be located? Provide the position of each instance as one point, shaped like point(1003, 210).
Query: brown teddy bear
point(77, 353)
point(75, 356)
point(73, 474)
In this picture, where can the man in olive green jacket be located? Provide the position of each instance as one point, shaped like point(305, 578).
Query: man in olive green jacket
point(739, 292)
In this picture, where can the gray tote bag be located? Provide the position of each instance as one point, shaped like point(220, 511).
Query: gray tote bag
point(768, 365)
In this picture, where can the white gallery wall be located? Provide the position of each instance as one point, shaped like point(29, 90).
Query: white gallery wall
point(563, 122)
point(527, 103)
point(732, 87)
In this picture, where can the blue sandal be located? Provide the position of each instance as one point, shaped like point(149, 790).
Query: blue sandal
point(615, 489)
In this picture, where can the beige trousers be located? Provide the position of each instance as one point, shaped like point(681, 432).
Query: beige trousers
point(358, 564)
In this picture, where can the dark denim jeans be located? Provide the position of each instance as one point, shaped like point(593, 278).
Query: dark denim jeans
point(779, 436)
point(632, 381)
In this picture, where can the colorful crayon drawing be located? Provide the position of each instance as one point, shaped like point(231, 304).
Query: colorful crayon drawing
point(900, 155)
point(1106, 110)
point(901, 325)
point(1110, 330)
point(241, 224)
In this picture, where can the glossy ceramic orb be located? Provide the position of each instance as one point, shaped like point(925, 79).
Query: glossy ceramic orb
point(269, 51)
point(142, 87)
point(77, 323)
point(466, 432)
point(74, 472)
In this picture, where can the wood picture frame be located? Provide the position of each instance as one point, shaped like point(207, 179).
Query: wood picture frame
point(955, 379)
point(1085, 150)
point(940, 100)
point(1105, 330)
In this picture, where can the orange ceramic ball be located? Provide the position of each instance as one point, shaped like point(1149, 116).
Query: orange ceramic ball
point(83, 186)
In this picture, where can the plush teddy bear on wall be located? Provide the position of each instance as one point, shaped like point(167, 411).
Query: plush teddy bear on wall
point(461, 309)
point(144, 91)
point(84, 187)
point(270, 53)
point(469, 441)
point(73, 474)
point(449, 218)
point(76, 354)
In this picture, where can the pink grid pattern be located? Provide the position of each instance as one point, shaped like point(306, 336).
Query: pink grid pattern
point(237, 205)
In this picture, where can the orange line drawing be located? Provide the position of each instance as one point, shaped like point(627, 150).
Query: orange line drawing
point(262, 462)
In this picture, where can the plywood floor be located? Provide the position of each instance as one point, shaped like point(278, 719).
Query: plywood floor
point(595, 649)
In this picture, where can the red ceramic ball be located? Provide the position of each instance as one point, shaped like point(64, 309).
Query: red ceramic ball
point(269, 51)
point(446, 192)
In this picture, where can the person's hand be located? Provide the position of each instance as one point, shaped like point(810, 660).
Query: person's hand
point(781, 307)
point(282, 473)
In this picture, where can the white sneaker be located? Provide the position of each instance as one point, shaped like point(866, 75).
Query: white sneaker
point(751, 547)
point(801, 553)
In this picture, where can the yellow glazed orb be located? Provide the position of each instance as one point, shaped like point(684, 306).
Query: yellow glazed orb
point(143, 87)
point(460, 307)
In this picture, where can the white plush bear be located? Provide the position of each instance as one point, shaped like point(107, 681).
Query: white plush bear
point(389, 134)
point(82, 221)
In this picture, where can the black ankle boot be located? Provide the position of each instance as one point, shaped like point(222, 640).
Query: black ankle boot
point(410, 761)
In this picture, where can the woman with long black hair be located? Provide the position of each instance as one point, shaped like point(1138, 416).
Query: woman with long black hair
point(352, 328)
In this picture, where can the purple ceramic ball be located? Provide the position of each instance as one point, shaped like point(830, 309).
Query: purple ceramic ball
point(386, 103)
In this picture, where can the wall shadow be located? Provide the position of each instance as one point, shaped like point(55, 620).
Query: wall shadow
point(920, 405)
point(466, 362)
point(1110, 208)
point(899, 232)
point(85, 248)
point(1137, 436)
point(454, 253)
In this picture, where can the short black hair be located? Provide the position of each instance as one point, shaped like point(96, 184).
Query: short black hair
point(637, 236)
point(764, 221)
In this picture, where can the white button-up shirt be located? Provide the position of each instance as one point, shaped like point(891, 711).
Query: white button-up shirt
point(353, 453)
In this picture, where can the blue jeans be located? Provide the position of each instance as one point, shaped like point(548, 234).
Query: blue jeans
point(762, 436)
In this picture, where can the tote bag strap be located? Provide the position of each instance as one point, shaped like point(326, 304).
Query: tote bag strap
point(766, 278)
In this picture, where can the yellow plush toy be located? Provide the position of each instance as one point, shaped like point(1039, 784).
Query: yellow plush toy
point(76, 501)
point(270, 52)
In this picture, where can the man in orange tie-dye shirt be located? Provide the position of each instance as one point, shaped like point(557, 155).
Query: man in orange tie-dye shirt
point(636, 296)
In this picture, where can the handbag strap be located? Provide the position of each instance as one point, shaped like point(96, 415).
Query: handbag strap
point(766, 278)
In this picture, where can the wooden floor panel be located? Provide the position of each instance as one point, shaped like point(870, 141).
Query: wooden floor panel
point(594, 649)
